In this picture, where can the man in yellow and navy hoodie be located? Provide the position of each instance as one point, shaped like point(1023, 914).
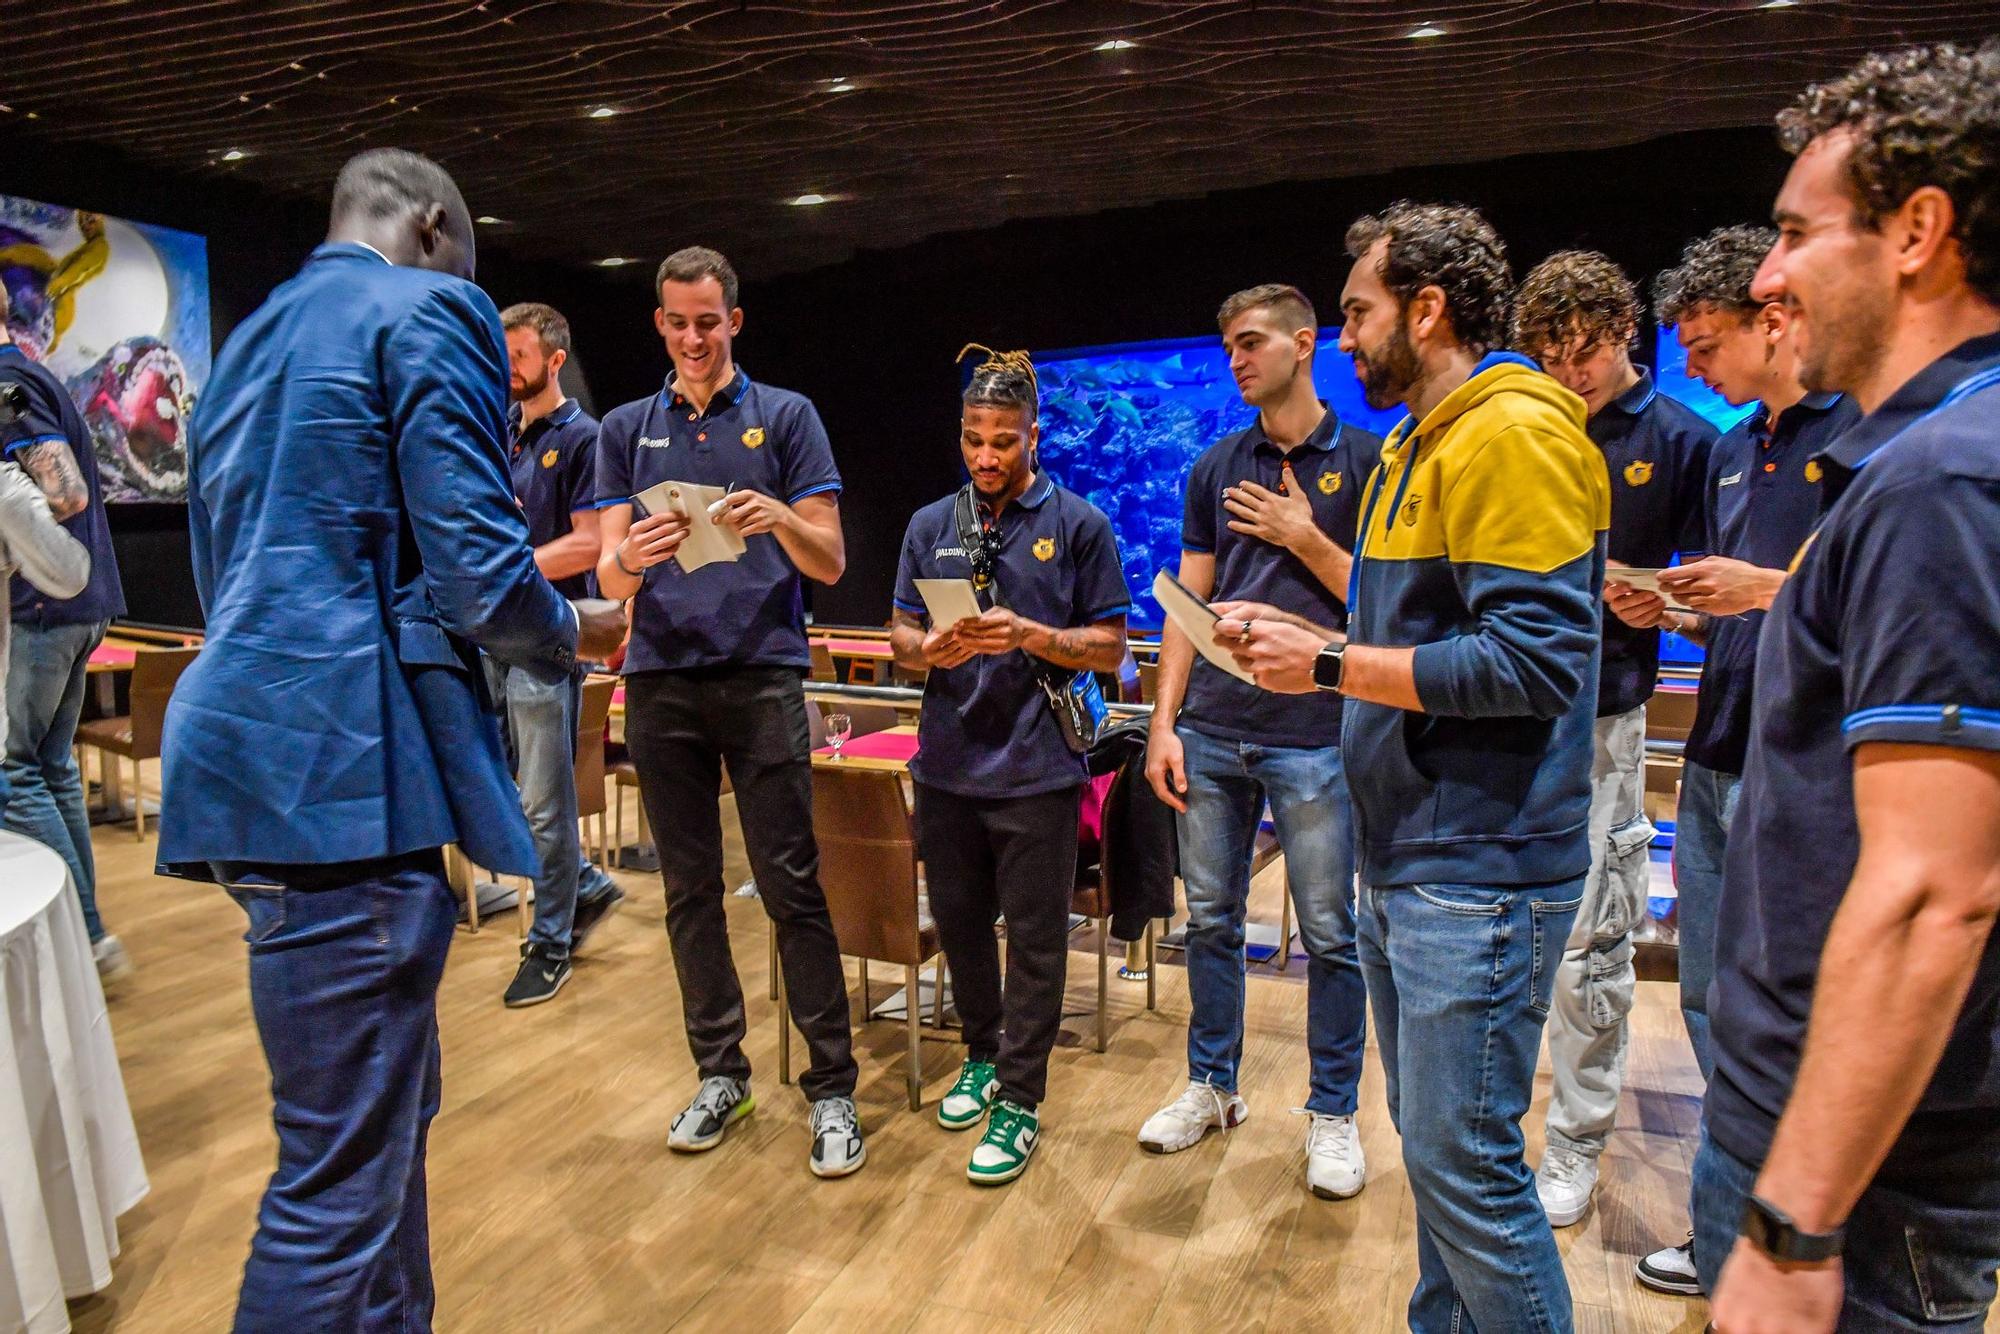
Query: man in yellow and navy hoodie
point(1470, 675)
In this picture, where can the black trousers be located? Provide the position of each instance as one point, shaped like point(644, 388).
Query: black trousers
point(1011, 857)
point(680, 728)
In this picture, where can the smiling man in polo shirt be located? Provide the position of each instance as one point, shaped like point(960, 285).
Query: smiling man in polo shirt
point(1850, 1162)
point(713, 678)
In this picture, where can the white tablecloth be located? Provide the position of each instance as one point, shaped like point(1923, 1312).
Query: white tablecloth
point(69, 1158)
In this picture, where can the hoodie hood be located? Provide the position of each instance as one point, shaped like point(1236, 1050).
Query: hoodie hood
point(1497, 373)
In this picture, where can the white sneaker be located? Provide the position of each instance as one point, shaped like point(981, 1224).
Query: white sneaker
point(1335, 1167)
point(1565, 1181)
point(1671, 1269)
point(1182, 1123)
point(112, 961)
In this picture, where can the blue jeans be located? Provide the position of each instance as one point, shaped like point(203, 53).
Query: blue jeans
point(344, 968)
point(541, 737)
point(43, 793)
point(1228, 784)
point(1922, 1243)
point(1701, 839)
point(1460, 978)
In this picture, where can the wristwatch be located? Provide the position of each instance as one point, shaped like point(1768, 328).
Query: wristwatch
point(1772, 1231)
point(1327, 667)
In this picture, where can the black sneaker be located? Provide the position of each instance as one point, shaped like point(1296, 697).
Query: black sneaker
point(538, 980)
point(590, 914)
point(1671, 1269)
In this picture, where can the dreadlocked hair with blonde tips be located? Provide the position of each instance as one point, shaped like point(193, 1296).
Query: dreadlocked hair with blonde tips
point(1003, 380)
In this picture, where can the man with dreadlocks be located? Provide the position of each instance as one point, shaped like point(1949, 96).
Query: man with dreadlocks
point(1577, 313)
point(998, 785)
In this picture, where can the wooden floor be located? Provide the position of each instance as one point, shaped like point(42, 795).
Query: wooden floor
point(555, 1204)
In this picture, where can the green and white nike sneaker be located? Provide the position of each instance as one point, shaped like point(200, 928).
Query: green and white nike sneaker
point(1002, 1154)
point(965, 1106)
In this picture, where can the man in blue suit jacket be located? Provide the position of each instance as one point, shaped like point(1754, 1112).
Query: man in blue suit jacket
point(356, 542)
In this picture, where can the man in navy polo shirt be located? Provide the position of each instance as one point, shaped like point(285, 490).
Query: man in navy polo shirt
point(1270, 515)
point(42, 792)
point(713, 677)
point(997, 786)
point(1764, 495)
point(1850, 1163)
point(550, 460)
point(1577, 313)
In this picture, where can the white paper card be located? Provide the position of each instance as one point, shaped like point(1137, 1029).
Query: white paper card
point(949, 601)
point(707, 542)
point(1645, 580)
point(1195, 620)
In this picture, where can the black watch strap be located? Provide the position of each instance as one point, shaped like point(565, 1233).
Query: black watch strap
point(1772, 1231)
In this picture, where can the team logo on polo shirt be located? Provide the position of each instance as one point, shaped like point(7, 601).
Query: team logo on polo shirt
point(1329, 482)
point(753, 437)
point(1814, 472)
point(549, 459)
point(1638, 472)
point(1045, 548)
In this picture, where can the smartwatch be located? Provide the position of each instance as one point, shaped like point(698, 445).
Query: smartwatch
point(1327, 667)
point(1772, 1231)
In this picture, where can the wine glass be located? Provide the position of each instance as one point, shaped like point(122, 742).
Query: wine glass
point(838, 728)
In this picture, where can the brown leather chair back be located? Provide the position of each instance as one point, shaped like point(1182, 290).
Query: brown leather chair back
point(868, 863)
point(155, 672)
point(590, 720)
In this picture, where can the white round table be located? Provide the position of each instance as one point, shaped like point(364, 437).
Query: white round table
point(69, 1158)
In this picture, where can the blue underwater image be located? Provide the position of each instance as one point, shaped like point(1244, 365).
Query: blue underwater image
point(1122, 425)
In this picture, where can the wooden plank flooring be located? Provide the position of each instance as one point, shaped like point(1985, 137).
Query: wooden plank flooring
point(555, 1204)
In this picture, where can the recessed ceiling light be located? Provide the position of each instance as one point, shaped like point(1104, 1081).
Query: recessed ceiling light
point(808, 200)
point(603, 113)
point(1428, 30)
point(234, 155)
point(1777, 4)
point(1116, 44)
point(614, 262)
point(840, 86)
point(488, 220)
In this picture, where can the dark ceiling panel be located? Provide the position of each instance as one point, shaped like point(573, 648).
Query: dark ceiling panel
point(916, 117)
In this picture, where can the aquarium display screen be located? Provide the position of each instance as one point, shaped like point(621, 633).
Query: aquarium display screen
point(1122, 425)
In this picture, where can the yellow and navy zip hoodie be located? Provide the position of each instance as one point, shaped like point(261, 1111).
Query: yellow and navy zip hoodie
point(1482, 545)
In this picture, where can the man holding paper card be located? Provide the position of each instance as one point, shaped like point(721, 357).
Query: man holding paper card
point(713, 678)
point(1471, 690)
point(1270, 514)
point(1577, 314)
point(998, 785)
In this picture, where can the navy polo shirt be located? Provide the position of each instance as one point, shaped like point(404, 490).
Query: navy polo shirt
point(52, 416)
point(1656, 452)
point(986, 729)
point(1332, 464)
point(553, 467)
point(754, 437)
point(1888, 630)
point(1764, 498)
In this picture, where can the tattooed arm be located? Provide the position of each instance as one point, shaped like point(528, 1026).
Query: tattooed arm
point(1091, 648)
point(53, 466)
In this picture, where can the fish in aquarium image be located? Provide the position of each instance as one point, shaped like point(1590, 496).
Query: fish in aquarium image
point(1123, 424)
point(118, 311)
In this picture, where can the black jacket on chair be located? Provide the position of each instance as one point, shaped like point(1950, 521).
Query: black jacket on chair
point(1139, 852)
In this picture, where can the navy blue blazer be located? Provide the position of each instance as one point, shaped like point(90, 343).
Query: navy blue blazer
point(356, 542)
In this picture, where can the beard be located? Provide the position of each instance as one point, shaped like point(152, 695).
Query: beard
point(529, 388)
point(1388, 372)
point(1844, 338)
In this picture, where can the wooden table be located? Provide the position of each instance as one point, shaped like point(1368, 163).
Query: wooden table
point(874, 650)
point(887, 751)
